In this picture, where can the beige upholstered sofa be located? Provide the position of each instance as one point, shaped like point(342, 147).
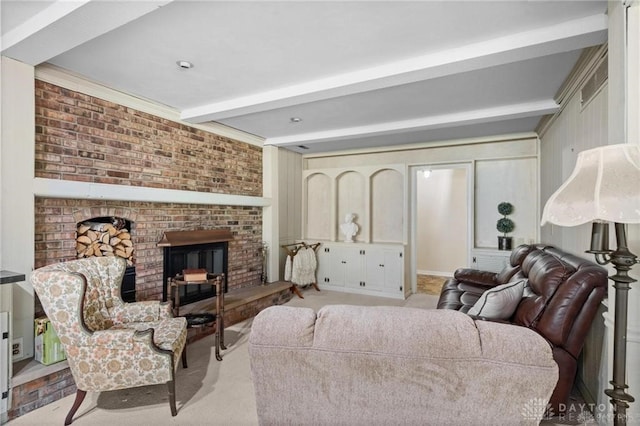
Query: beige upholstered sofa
point(355, 365)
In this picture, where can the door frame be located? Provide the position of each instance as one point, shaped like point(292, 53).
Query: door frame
point(413, 172)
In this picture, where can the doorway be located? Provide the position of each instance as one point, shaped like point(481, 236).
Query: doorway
point(441, 223)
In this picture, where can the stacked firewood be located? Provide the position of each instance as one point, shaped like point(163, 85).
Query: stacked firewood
point(104, 239)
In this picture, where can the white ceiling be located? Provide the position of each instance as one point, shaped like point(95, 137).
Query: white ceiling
point(359, 74)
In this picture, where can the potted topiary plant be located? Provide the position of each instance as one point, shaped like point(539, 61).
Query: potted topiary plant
point(505, 225)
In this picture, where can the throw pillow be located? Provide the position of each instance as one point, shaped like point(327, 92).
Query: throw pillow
point(500, 302)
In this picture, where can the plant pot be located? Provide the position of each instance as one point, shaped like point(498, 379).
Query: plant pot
point(504, 243)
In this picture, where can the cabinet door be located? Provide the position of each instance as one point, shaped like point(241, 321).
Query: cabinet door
point(339, 266)
point(324, 258)
point(374, 260)
point(490, 261)
point(394, 270)
point(384, 269)
point(351, 258)
point(331, 267)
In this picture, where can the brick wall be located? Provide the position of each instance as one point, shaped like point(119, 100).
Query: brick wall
point(40, 392)
point(83, 138)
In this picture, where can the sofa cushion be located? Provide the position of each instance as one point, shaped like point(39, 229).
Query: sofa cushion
point(500, 302)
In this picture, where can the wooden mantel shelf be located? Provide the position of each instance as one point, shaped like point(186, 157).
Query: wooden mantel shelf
point(187, 238)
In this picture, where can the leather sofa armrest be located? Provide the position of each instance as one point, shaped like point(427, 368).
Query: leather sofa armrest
point(474, 276)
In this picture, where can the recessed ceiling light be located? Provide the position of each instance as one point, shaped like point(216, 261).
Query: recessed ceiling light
point(185, 65)
point(295, 119)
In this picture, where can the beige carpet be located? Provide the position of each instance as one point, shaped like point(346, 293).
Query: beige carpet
point(208, 392)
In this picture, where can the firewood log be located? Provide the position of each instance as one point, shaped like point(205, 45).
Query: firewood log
point(84, 240)
point(124, 235)
point(106, 248)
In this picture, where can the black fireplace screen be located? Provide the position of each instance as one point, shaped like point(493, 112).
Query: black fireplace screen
point(210, 256)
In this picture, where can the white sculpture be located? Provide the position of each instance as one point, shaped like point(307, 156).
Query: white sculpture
point(348, 228)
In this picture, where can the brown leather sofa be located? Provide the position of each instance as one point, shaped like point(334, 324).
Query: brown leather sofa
point(559, 302)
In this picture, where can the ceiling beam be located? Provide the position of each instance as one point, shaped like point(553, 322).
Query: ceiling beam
point(67, 24)
point(486, 115)
point(567, 36)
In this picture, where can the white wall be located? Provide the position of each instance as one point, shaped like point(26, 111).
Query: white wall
point(576, 129)
point(442, 228)
point(513, 180)
point(289, 201)
point(16, 194)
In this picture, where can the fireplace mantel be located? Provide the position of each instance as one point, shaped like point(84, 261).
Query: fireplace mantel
point(187, 238)
point(55, 188)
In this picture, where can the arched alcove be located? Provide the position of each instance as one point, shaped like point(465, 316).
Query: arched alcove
point(387, 206)
point(351, 199)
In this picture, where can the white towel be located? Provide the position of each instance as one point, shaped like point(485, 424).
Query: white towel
point(304, 267)
point(287, 268)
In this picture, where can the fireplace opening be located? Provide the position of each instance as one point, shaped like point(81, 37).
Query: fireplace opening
point(109, 236)
point(206, 249)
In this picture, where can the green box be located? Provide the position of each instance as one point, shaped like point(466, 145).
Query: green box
point(48, 349)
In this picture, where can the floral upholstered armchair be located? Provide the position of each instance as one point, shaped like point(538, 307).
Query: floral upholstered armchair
point(109, 344)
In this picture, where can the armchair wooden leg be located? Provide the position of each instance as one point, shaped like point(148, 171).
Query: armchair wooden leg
point(171, 385)
point(184, 356)
point(80, 394)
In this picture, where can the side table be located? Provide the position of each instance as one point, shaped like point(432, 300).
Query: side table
point(196, 320)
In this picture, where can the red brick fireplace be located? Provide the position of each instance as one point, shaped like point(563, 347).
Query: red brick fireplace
point(56, 221)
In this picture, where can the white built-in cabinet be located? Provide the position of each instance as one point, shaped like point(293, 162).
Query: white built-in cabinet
point(373, 269)
point(374, 263)
point(489, 259)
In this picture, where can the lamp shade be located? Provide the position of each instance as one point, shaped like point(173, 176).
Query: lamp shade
point(604, 186)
